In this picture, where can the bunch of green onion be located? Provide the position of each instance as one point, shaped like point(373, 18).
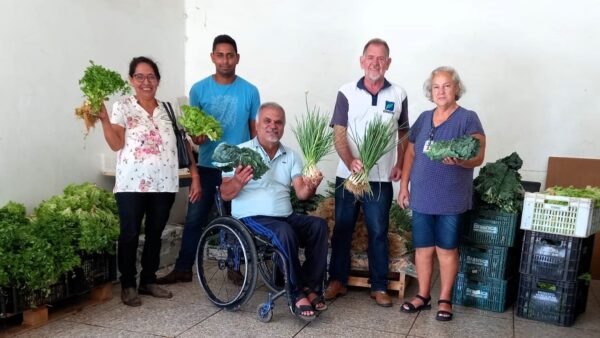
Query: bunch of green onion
point(379, 138)
point(315, 139)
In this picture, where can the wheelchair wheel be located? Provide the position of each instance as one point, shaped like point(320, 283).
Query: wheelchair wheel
point(269, 270)
point(226, 263)
point(264, 312)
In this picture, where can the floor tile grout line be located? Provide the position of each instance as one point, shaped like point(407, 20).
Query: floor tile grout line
point(200, 322)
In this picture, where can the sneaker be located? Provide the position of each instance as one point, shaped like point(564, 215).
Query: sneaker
point(129, 296)
point(175, 277)
point(154, 291)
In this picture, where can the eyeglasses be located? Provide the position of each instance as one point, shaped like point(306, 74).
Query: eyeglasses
point(141, 77)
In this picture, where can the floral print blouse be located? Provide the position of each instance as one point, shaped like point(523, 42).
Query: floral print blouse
point(148, 160)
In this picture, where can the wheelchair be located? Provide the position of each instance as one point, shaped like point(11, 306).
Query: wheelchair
point(227, 246)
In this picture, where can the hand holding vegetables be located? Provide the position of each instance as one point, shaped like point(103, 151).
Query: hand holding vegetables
point(315, 139)
point(227, 157)
point(197, 123)
point(462, 148)
point(97, 84)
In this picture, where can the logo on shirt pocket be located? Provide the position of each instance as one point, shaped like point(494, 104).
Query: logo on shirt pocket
point(389, 107)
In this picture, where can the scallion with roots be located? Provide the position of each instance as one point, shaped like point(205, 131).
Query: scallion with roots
point(315, 139)
point(378, 139)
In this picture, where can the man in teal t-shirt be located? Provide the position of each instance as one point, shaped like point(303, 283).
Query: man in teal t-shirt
point(234, 102)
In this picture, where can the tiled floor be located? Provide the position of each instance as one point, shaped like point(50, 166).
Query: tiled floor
point(190, 314)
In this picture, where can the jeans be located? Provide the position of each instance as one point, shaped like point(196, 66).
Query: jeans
point(436, 230)
point(294, 232)
point(197, 218)
point(376, 210)
point(133, 206)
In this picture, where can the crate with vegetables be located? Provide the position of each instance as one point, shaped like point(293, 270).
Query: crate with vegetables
point(490, 248)
point(552, 301)
point(45, 257)
point(566, 211)
point(498, 195)
point(556, 257)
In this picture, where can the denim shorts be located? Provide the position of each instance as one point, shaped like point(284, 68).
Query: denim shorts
point(436, 230)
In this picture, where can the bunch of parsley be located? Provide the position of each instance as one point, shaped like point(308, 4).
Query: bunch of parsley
point(98, 83)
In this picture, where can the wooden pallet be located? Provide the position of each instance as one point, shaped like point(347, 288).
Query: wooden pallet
point(397, 284)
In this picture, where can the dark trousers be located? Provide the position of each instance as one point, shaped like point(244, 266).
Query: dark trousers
point(197, 218)
point(294, 232)
point(376, 209)
point(133, 206)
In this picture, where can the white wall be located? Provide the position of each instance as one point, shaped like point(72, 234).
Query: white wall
point(529, 66)
point(45, 46)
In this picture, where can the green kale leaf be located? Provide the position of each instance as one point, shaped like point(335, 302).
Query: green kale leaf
point(227, 157)
point(463, 148)
point(499, 184)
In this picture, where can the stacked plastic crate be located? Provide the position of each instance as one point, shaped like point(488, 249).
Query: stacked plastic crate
point(556, 257)
point(489, 256)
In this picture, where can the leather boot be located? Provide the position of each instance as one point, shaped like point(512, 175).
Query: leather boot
point(174, 277)
point(154, 291)
point(334, 289)
point(129, 296)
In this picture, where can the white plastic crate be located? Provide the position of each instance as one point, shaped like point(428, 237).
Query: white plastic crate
point(567, 216)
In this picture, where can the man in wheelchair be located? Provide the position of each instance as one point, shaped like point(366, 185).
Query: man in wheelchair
point(264, 206)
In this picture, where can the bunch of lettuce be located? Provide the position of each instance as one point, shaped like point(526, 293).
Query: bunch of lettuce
point(86, 215)
point(196, 123)
point(590, 192)
point(499, 184)
point(227, 157)
point(462, 148)
point(29, 260)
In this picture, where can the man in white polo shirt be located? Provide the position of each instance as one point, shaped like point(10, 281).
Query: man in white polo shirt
point(264, 205)
point(358, 103)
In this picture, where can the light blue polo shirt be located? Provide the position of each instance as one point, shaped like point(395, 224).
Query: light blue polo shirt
point(270, 195)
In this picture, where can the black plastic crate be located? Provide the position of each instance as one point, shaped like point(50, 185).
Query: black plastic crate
point(95, 270)
point(14, 301)
point(551, 301)
point(489, 226)
point(486, 261)
point(556, 257)
point(488, 294)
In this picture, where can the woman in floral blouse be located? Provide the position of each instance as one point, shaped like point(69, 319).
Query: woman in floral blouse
point(140, 131)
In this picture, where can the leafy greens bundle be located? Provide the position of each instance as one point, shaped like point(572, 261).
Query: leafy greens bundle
point(227, 157)
point(590, 192)
point(97, 84)
point(499, 183)
point(196, 123)
point(463, 148)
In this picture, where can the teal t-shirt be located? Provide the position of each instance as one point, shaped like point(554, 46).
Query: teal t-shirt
point(233, 105)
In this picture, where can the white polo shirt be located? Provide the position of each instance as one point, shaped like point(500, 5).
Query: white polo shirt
point(270, 195)
point(355, 107)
